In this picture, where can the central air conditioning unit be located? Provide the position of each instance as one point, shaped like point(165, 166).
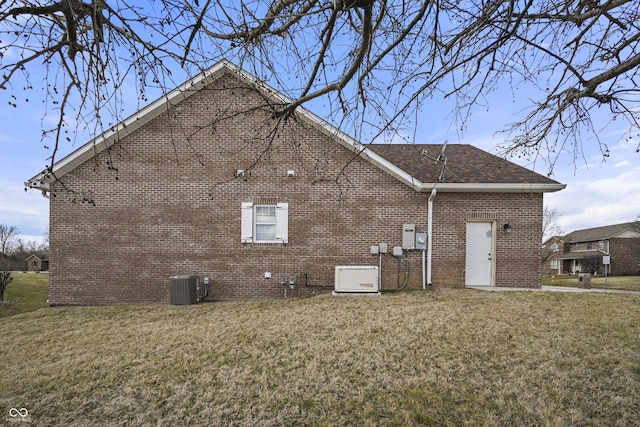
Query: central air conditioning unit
point(356, 280)
point(184, 289)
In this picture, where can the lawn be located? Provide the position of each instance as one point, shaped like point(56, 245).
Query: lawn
point(625, 283)
point(444, 357)
point(26, 292)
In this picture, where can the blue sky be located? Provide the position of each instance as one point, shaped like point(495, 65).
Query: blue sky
point(598, 192)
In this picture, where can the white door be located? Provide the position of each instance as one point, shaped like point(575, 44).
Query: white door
point(479, 260)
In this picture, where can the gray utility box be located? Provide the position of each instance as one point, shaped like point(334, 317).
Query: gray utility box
point(408, 236)
point(184, 290)
point(584, 281)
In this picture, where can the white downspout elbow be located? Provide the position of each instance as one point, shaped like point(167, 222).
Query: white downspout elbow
point(429, 237)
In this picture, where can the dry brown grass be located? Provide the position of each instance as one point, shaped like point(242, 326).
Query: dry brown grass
point(458, 357)
point(623, 283)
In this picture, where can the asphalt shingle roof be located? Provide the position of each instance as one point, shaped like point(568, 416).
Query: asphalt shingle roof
point(464, 164)
point(598, 233)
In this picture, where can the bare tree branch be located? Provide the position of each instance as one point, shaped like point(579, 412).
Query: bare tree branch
point(373, 63)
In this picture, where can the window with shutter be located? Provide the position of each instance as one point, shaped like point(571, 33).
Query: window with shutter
point(262, 223)
point(282, 222)
point(246, 229)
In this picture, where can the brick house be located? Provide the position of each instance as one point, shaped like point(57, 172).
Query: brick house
point(582, 251)
point(206, 182)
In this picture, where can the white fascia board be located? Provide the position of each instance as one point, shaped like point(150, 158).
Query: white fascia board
point(360, 149)
point(492, 188)
point(405, 177)
point(98, 144)
point(43, 180)
point(333, 132)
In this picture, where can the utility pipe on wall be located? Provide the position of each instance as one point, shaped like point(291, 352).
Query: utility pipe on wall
point(424, 270)
point(379, 269)
point(429, 237)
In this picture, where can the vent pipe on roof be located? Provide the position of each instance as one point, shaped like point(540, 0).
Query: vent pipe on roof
point(429, 239)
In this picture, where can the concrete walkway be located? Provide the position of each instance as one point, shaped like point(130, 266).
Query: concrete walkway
point(554, 289)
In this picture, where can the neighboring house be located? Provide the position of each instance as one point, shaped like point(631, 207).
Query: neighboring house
point(206, 182)
point(583, 251)
point(37, 262)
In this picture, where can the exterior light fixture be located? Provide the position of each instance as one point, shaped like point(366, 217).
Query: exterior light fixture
point(291, 172)
point(507, 228)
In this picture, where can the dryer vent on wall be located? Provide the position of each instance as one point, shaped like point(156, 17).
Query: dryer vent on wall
point(184, 290)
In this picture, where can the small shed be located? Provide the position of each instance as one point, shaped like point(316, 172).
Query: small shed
point(37, 263)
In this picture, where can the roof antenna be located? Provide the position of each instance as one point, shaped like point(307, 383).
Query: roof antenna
point(440, 159)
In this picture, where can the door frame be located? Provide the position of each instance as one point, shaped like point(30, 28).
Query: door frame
point(492, 274)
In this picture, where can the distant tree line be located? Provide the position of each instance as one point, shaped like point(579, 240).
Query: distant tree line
point(14, 251)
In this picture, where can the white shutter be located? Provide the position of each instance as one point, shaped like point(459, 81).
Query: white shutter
point(282, 223)
point(246, 227)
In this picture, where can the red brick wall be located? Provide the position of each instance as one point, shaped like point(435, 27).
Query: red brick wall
point(517, 254)
point(164, 201)
point(625, 256)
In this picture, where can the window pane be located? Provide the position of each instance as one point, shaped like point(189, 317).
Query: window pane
point(265, 232)
point(265, 214)
point(265, 223)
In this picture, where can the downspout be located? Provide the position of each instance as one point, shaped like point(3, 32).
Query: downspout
point(429, 238)
point(424, 270)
